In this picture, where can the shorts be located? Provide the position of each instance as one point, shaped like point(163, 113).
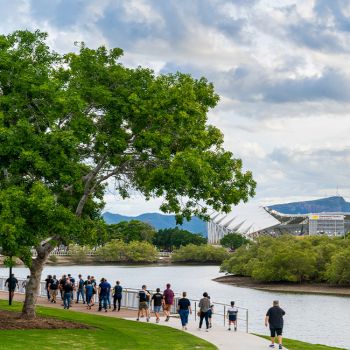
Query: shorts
point(143, 305)
point(232, 317)
point(275, 331)
point(157, 308)
point(53, 292)
point(210, 313)
point(167, 307)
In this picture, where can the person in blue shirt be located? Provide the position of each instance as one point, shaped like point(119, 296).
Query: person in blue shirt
point(104, 288)
point(80, 290)
point(89, 293)
point(117, 295)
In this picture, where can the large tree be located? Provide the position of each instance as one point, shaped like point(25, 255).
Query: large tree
point(70, 123)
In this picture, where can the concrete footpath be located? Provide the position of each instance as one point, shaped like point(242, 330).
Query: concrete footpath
point(218, 335)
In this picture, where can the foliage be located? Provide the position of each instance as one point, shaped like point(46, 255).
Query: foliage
point(173, 238)
point(119, 251)
point(292, 259)
point(200, 253)
point(233, 240)
point(79, 253)
point(338, 270)
point(133, 230)
point(53, 259)
point(107, 333)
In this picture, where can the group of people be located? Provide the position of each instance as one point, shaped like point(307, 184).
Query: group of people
point(86, 289)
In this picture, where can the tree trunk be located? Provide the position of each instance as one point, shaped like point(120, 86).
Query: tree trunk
point(33, 286)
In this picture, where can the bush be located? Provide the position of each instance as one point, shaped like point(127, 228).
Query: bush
point(289, 258)
point(119, 251)
point(338, 270)
point(53, 259)
point(202, 253)
point(78, 253)
point(233, 241)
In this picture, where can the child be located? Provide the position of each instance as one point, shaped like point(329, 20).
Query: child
point(210, 313)
point(232, 316)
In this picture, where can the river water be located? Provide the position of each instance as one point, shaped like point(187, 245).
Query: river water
point(318, 319)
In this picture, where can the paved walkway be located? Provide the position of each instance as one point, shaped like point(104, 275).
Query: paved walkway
point(218, 335)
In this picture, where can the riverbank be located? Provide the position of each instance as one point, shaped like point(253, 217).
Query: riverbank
point(315, 288)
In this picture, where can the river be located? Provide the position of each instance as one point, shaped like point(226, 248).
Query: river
point(318, 319)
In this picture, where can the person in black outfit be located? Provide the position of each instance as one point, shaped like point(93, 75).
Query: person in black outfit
point(184, 308)
point(117, 295)
point(274, 318)
point(47, 282)
point(157, 303)
point(11, 283)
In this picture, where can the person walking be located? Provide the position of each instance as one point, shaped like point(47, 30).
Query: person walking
point(232, 316)
point(143, 296)
point(80, 290)
point(61, 284)
point(184, 309)
point(11, 283)
point(53, 286)
point(117, 295)
point(89, 293)
point(67, 293)
point(103, 289)
point(210, 313)
point(47, 282)
point(157, 299)
point(204, 307)
point(25, 282)
point(274, 319)
point(168, 296)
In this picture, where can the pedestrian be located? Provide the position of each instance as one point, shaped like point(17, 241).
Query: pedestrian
point(210, 313)
point(61, 284)
point(25, 282)
point(103, 289)
point(11, 283)
point(72, 281)
point(184, 309)
point(168, 296)
point(88, 292)
point(80, 290)
point(47, 281)
point(274, 319)
point(53, 286)
point(157, 303)
point(232, 316)
point(117, 295)
point(67, 293)
point(204, 307)
point(143, 296)
point(109, 294)
point(94, 289)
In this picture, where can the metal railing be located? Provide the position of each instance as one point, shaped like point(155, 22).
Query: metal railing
point(130, 300)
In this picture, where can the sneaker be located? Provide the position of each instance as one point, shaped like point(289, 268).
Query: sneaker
point(147, 319)
point(229, 329)
point(207, 330)
point(185, 328)
point(114, 309)
point(235, 329)
point(271, 345)
point(137, 319)
point(106, 310)
point(280, 346)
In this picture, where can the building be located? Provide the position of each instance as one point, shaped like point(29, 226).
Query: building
point(252, 221)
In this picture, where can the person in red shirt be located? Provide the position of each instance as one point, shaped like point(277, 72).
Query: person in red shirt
point(168, 296)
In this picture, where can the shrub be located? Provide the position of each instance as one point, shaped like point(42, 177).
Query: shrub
point(202, 253)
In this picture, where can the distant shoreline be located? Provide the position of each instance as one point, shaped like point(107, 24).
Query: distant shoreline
point(304, 288)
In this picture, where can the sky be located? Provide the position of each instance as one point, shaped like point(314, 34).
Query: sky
point(281, 69)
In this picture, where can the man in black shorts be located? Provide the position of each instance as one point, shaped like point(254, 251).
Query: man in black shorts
point(274, 318)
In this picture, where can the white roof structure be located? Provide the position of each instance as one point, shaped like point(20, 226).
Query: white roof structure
point(244, 219)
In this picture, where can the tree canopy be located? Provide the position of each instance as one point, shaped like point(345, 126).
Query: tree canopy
point(233, 240)
point(173, 238)
point(133, 230)
point(69, 123)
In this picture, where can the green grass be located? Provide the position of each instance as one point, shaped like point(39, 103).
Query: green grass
point(292, 344)
point(108, 333)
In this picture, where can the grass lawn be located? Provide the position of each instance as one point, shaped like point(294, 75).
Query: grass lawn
point(300, 345)
point(108, 333)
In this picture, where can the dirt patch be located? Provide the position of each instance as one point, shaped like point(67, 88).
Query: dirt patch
point(308, 288)
point(13, 320)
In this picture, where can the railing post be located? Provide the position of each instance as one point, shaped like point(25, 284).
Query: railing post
point(246, 321)
point(224, 315)
point(195, 311)
point(126, 298)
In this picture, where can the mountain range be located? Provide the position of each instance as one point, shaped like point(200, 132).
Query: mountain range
point(196, 225)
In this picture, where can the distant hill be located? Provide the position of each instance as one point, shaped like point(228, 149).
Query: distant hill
point(330, 204)
point(160, 221)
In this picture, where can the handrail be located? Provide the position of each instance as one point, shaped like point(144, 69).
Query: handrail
point(130, 301)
